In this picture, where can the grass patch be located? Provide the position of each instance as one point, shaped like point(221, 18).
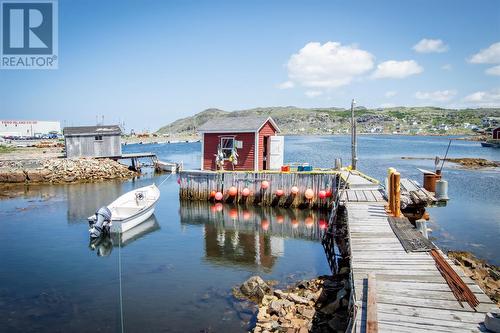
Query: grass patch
point(6, 149)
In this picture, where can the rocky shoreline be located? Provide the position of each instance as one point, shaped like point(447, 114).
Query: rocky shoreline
point(62, 170)
point(485, 275)
point(315, 305)
point(464, 162)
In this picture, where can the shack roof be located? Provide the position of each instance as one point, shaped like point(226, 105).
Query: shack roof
point(237, 124)
point(92, 130)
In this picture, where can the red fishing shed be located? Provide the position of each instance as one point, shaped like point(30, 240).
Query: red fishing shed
point(253, 139)
point(495, 134)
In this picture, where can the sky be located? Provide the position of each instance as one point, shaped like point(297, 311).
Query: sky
point(147, 63)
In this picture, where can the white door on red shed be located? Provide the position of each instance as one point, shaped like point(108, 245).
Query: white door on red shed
point(276, 149)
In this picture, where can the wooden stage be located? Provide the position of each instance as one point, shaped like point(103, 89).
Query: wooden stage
point(405, 291)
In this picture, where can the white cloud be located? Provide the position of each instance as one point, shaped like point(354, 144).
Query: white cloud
point(397, 69)
point(495, 70)
point(484, 98)
point(330, 65)
point(430, 46)
point(313, 93)
point(390, 93)
point(286, 85)
point(436, 96)
point(490, 55)
point(447, 67)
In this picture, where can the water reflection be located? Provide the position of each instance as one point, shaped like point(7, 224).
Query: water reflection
point(104, 244)
point(250, 237)
point(83, 201)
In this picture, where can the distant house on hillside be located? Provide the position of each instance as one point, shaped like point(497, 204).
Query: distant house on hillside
point(495, 133)
point(251, 142)
point(93, 141)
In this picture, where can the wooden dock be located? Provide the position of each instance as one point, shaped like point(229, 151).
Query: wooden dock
point(399, 291)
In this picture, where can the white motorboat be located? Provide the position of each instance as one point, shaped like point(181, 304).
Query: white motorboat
point(166, 166)
point(131, 209)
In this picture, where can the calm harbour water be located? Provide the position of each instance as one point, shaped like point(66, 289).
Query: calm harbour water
point(179, 267)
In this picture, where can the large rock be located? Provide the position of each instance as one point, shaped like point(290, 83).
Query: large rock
point(255, 287)
point(297, 299)
point(16, 176)
point(277, 305)
point(492, 321)
point(36, 176)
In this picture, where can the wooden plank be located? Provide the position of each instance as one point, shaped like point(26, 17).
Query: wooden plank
point(361, 196)
point(370, 196)
point(411, 295)
point(371, 313)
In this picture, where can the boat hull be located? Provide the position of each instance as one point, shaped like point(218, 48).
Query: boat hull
point(132, 208)
point(490, 144)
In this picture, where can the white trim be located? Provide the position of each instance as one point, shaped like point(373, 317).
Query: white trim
point(256, 153)
point(202, 151)
point(227, 131)
point(271, 120)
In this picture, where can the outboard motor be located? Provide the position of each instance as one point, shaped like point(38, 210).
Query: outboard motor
point(103, 245)
point(101, 224)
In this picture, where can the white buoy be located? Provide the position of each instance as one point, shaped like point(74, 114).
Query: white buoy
point(442, 190)
point(421, 226)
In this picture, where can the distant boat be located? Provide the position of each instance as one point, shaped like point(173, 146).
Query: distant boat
point(166, 166)
point(490, 144)
point(132, 208)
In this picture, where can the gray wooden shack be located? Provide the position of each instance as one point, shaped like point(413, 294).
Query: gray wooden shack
point(93, 141)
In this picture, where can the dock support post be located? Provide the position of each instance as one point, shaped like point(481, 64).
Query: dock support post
point(397, 194)
point(390, 198)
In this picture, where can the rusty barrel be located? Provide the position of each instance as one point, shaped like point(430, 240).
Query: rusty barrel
point(430, 182)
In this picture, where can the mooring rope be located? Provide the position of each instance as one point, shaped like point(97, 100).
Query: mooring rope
point(120, 278)
point(445, 155)
point(164, 180)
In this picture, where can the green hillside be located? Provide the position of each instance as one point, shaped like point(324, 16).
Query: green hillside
point(405, 120)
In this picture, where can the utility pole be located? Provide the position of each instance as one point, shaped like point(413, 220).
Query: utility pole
point(353, 137)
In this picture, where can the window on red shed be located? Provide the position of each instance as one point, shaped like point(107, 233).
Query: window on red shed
point(227, 146)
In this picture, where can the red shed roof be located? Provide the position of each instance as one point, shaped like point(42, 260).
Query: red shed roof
point(236, 124)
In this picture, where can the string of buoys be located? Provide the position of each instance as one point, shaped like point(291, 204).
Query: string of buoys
point(294, 190)
point(265, 222)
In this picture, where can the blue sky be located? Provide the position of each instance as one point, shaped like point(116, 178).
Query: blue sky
point(148, 63)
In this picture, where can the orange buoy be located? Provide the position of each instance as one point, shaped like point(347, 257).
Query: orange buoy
point(328, 193)
point(212, 194)
point(264, 224)
point(233, 213)
point(245, 192)
point(322, 224)
point(264, 184)
point(322, 194)
point(218, 196)
point(295, 223)
point(309, 221)
point(279, 193)
point(309, 194)
point(246, 215)
point(219, 207)
point(294, 190)
point(280, 219)
point(233, 191)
